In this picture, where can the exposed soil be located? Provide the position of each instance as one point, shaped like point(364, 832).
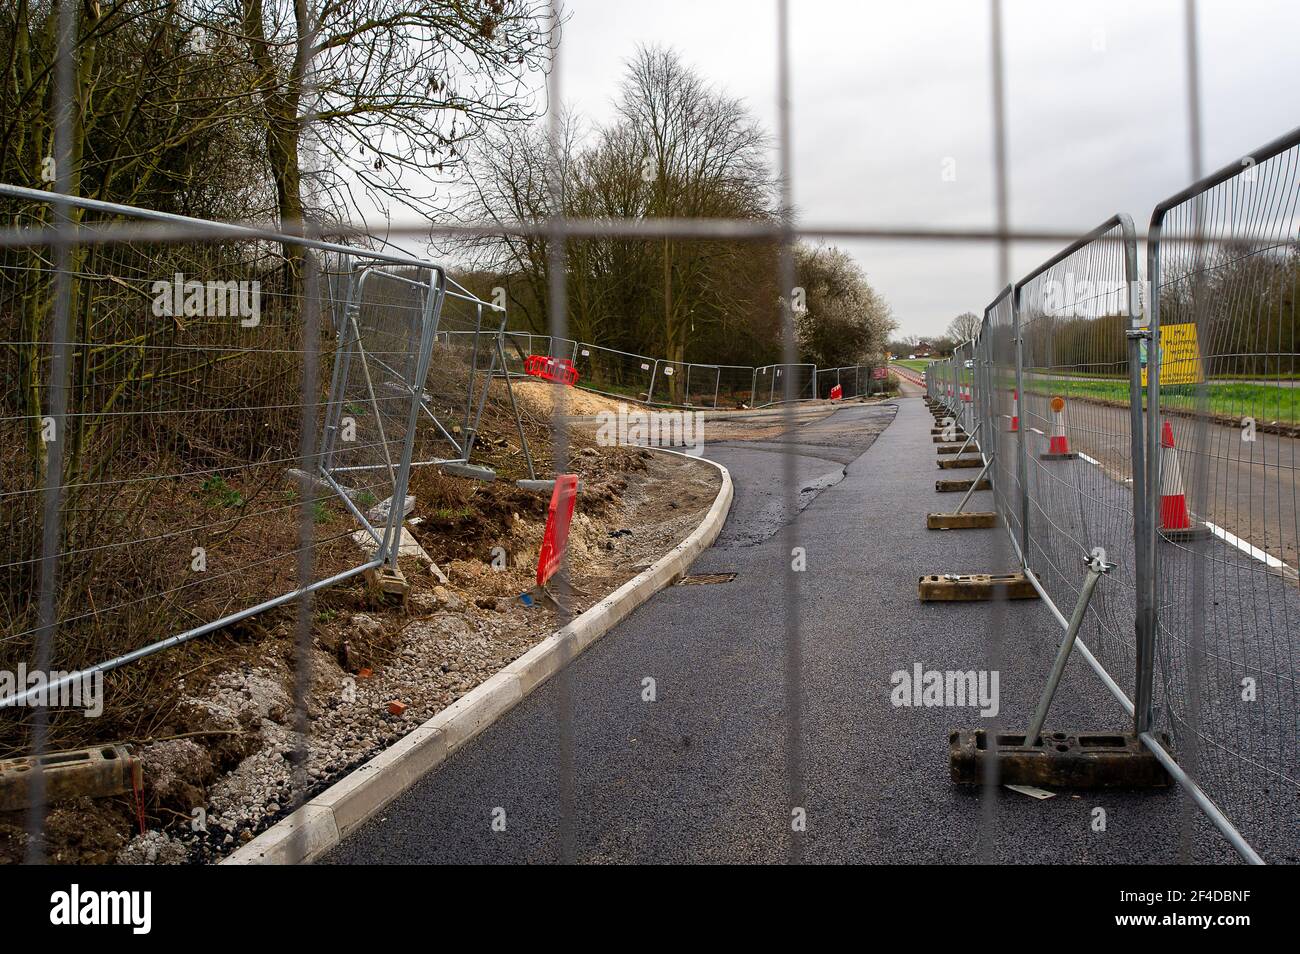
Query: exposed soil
point(219, 752)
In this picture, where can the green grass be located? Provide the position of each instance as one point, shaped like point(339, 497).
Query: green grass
point(916, 364)
point(1265, 403)
point(221, 493)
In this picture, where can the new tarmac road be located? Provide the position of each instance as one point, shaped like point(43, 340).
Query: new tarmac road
point(699, 774)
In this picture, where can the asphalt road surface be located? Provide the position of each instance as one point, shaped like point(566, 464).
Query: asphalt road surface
point(1221, 601)
point(699, 774)
point(1252, 487)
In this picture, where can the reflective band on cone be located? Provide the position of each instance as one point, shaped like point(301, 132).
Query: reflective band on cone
point(1173, 500)
point(1060, 443)
point(1015, 411)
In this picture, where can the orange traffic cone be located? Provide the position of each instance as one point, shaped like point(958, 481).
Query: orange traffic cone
point(1175, 519)
point(965, 393)
point(1059, 447)
point(1015, 411)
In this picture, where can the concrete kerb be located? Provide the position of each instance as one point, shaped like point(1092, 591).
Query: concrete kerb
point(334, 813)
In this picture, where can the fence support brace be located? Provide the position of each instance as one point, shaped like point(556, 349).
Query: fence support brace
point(1096, 569)
point(974, 484)
point(970, 438)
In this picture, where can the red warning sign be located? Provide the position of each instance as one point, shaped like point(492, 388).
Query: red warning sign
point(837, 392)
point(558, 518)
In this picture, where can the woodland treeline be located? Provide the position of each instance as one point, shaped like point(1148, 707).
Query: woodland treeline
point(678, 148)
point(353, 110)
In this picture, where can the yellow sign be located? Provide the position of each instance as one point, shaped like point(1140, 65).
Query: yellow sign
point(1180, 356)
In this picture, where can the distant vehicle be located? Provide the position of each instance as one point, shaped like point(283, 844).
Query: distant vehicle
point(970, 362)
point(911, 357)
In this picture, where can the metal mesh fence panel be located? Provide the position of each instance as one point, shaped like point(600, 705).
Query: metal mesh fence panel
point(770, 383)
point(1000, 434)
point(375, 383)
point(735, 386)
point(555, 347)
point(1225, 266)
point(825, 379)
point(182, 460)
point(964, 373)
point(516, 347)
point(460, 374)
point(1077, 437)
point(684, 384)
point(615, 373)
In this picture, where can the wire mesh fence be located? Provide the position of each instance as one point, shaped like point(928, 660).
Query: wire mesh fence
point(1138, 437)
point(176, 436)
point(470, 350)
point(735, 386)
point(774, 383)
point(1001, 434)
point(688, 384)
point(614, 373)
point(846, 382)
point(683, 384)
point(1222, 372)
point(1073, 314)
point(138, 426)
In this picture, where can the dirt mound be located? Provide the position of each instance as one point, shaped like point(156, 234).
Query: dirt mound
point(539, 397)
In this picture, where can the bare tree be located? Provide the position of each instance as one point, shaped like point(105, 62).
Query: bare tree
point(152, 123)
point(702, 156)
point(964, 327)
point(389, 91)
point(678, 148)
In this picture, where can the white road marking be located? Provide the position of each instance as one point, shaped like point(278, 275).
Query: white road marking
point(1231, 539)
point(1263, 557)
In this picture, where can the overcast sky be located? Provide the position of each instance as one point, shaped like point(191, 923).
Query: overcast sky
point(884, 93)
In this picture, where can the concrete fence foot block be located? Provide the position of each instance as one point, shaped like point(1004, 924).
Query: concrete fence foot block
point(960, 486)
point(469, 471)
point(974, 520)
point(974, 587)
point(1061, 759)
point(93, 772)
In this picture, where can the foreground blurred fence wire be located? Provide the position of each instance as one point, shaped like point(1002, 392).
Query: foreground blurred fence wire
point(163, 378)
point(1166, 437)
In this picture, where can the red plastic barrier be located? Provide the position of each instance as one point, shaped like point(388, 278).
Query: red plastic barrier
point(558, 518)
point(837, 392)
point(560, 370)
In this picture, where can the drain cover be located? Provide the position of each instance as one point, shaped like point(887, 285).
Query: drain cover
point(703, 579)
